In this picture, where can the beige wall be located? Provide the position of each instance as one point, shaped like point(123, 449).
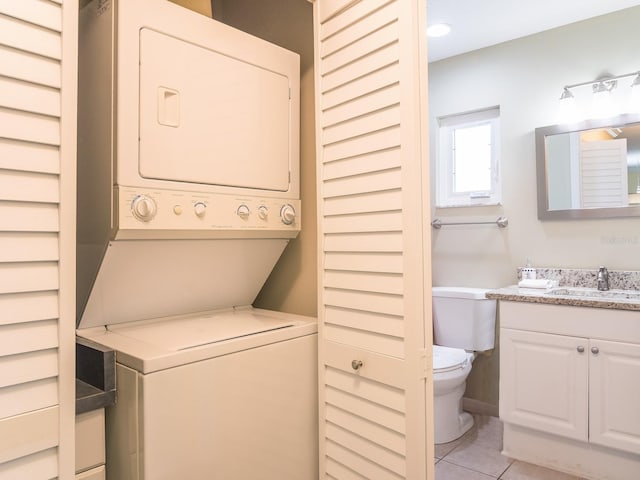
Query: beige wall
point(292, 285)
point(200, 6)
point(525, 77)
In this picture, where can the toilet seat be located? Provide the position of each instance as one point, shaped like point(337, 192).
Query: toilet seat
point(447, 359)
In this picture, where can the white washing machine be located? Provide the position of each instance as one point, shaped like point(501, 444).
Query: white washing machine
point(228, 394)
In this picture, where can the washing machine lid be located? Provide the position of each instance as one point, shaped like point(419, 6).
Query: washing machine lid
point(190, 331)
point(446, 359)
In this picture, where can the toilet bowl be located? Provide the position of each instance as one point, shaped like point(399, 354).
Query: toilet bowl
point(451, 366)
point(463, 322)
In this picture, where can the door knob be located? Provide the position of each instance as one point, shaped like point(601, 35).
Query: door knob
point(595, 350)
point(356, 364)
point(580, 349)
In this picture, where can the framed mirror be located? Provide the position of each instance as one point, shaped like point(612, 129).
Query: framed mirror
point(590, 169)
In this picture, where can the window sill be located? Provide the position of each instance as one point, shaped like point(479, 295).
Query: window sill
point(470, 204)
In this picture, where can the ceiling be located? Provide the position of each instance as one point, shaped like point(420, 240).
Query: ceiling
point(480, 23)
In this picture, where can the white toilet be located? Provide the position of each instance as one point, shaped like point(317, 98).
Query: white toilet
point(463, 323)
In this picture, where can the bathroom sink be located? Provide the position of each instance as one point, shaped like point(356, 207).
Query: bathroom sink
point(593, 293)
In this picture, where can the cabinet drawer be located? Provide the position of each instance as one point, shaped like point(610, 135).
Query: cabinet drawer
point(90, 438)
point(608, 324)
point(97, 473)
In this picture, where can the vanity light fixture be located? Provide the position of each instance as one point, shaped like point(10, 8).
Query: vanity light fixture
point(568, 110)
point(613, 132)
point(602, 104)
point(635, 95)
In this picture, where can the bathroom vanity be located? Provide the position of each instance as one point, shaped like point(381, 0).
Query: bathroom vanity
point(570, 380)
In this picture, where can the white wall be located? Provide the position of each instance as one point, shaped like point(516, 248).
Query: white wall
point(525, 78)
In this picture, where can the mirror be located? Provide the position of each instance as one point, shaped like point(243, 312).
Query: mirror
point(590, 169)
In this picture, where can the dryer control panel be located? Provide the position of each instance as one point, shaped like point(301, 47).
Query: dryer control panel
point(214, 215)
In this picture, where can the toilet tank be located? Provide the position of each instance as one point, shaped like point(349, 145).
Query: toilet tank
point(463, 318)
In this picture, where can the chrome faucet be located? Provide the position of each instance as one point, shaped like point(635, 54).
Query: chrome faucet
point(603, 279)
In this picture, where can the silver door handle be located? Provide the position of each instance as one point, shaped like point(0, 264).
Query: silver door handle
point(356, 364)
point(595, 350)
point(580, 349)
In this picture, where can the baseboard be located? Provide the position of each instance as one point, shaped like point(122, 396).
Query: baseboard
point(472, 405)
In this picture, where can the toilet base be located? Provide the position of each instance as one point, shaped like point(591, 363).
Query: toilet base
point(450, 421)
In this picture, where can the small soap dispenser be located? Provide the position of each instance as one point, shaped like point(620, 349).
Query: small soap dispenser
point(528, 272)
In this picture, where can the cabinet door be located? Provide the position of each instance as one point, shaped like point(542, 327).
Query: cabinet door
point(614, 395)
point(544, 382)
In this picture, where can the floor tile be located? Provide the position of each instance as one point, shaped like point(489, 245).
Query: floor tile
point(526, 471)
point(444, 449)
point(476, 456)
point(487, 432)
point(448, 471)
point(479, 458)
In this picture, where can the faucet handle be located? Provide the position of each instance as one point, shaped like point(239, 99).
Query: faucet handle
point(603, 278)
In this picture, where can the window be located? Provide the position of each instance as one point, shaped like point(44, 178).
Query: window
point(468, 159)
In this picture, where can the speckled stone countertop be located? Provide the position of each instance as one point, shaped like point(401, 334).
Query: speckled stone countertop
point(515, 294)
point(582, 283)
point(578, 277)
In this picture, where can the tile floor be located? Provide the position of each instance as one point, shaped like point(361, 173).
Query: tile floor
point(476, 456)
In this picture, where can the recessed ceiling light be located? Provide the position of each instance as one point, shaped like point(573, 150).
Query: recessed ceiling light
point(438, 30)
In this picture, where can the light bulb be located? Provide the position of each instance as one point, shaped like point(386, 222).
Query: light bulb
point(438, 30)
point(602, 106)
point(567, 109)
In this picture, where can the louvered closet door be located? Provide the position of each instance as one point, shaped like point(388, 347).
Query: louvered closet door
point(375, 416)
point(37, 238)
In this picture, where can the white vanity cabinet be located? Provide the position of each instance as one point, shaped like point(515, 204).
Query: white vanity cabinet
point(544, 382)
point(614, 394)
point(570, 387)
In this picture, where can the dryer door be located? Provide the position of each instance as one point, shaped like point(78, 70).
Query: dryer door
point(208, 118)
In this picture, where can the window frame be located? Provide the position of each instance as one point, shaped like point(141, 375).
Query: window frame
point(445, 195)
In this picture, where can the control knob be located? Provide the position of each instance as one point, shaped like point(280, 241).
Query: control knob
point(243, 211)
point(287, 214)
point(143, 208)
point(263, 212)
point(200, 208)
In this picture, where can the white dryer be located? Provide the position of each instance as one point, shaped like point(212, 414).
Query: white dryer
point(228, 394)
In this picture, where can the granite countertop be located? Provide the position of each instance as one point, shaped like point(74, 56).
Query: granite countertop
point(515, 294)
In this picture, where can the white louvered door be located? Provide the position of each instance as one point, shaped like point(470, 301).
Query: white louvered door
point(374, 260)
point(37, 238)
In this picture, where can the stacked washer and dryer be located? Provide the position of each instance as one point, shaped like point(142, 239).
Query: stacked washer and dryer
point(188, 192)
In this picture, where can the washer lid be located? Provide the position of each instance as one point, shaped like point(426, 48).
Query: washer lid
point(446, 359)
point(190, 331)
